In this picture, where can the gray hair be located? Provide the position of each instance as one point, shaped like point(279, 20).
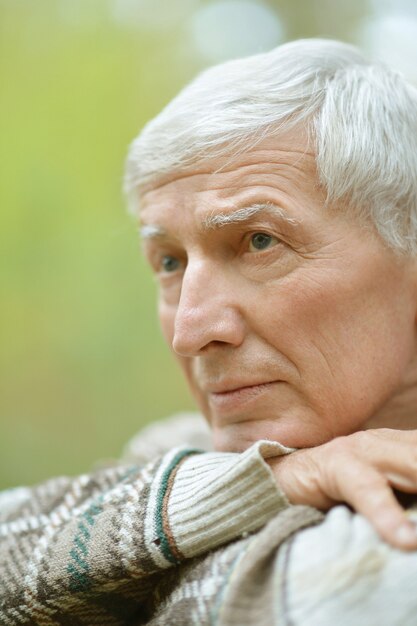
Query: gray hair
point(361, 117)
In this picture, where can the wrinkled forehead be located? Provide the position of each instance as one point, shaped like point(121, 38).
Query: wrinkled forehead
point(285, 164)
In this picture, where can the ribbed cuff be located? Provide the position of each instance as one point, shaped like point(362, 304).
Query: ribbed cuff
point(220, 496)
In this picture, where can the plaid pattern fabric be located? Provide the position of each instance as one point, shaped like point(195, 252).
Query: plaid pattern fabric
point(76, 551)
point(119, 546)
point(235, 585)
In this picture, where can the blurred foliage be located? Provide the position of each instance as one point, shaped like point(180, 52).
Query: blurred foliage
point(82, 364)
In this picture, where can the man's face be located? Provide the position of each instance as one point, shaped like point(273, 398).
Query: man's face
point(290, 320)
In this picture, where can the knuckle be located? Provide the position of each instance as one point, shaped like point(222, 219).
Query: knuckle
point(363, 437)
point(341, 444)
point(351, 444)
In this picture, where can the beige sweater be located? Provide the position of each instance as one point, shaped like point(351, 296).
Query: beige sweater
point(116, 546)
point(178, 538)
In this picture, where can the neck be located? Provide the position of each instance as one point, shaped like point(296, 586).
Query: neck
point(400, 411)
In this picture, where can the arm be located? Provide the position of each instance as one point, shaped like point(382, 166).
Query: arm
point(360, 469)
point(71, 543)
point(302, 570)
point(98, 542)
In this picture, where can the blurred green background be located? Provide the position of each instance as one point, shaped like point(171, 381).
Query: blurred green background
point(82, 363)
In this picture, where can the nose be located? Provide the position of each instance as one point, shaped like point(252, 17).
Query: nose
point(208, 312)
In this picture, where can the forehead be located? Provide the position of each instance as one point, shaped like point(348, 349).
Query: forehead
point(282, 172)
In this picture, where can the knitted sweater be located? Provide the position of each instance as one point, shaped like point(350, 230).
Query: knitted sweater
point(105, 548)
point(193, 538)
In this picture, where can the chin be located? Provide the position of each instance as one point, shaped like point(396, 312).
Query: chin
point(228, 442)
point(299, 431)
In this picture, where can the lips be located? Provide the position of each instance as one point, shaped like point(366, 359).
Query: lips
point(229, 397)
point(230, 387)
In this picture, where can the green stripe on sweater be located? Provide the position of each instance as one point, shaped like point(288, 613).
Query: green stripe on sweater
point(164, 540)
point(78, 567)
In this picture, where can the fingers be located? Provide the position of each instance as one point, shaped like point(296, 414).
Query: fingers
point(370, 494)
point(392, 454)
point(401, 482)
point(360, 469)
point(389, 451)
point(392, 434)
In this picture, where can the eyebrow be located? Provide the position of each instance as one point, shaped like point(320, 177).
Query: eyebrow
point(245, 214)
point(219, 220)
point(151, 232)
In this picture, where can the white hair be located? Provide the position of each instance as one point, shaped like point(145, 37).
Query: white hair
point(361, 116)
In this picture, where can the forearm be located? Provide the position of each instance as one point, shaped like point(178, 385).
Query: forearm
point(217, 497)
point(78, 541)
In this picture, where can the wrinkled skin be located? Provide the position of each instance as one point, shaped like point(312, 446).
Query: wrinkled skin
point(299, 329)
point(292, 321)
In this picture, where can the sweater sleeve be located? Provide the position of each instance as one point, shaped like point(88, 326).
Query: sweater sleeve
point(74, 548)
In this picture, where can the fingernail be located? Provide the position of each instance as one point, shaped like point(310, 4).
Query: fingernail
point(406, 534)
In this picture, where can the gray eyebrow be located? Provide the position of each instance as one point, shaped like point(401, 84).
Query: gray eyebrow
point(151, 232)
point(218, 220)
point(242, 215)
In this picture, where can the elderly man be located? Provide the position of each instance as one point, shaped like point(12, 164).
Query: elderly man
point(278, 204)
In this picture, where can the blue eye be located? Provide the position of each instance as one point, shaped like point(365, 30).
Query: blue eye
point(262, 241)
point(170, 263)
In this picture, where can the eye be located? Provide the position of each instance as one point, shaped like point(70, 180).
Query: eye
point(261, 241)
point(169, 263)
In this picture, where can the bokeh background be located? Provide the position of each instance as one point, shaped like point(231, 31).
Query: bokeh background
point(82, 363)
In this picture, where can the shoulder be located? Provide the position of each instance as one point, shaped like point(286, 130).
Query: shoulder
point(341, 570)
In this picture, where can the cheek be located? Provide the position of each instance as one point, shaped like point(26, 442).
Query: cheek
point(298, 313)
point(166, 316)
point(349, 341)
point(338, 314)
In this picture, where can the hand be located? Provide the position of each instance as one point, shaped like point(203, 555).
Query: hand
point(360, 469)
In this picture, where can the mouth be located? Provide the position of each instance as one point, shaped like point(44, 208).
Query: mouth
point(227, 400)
